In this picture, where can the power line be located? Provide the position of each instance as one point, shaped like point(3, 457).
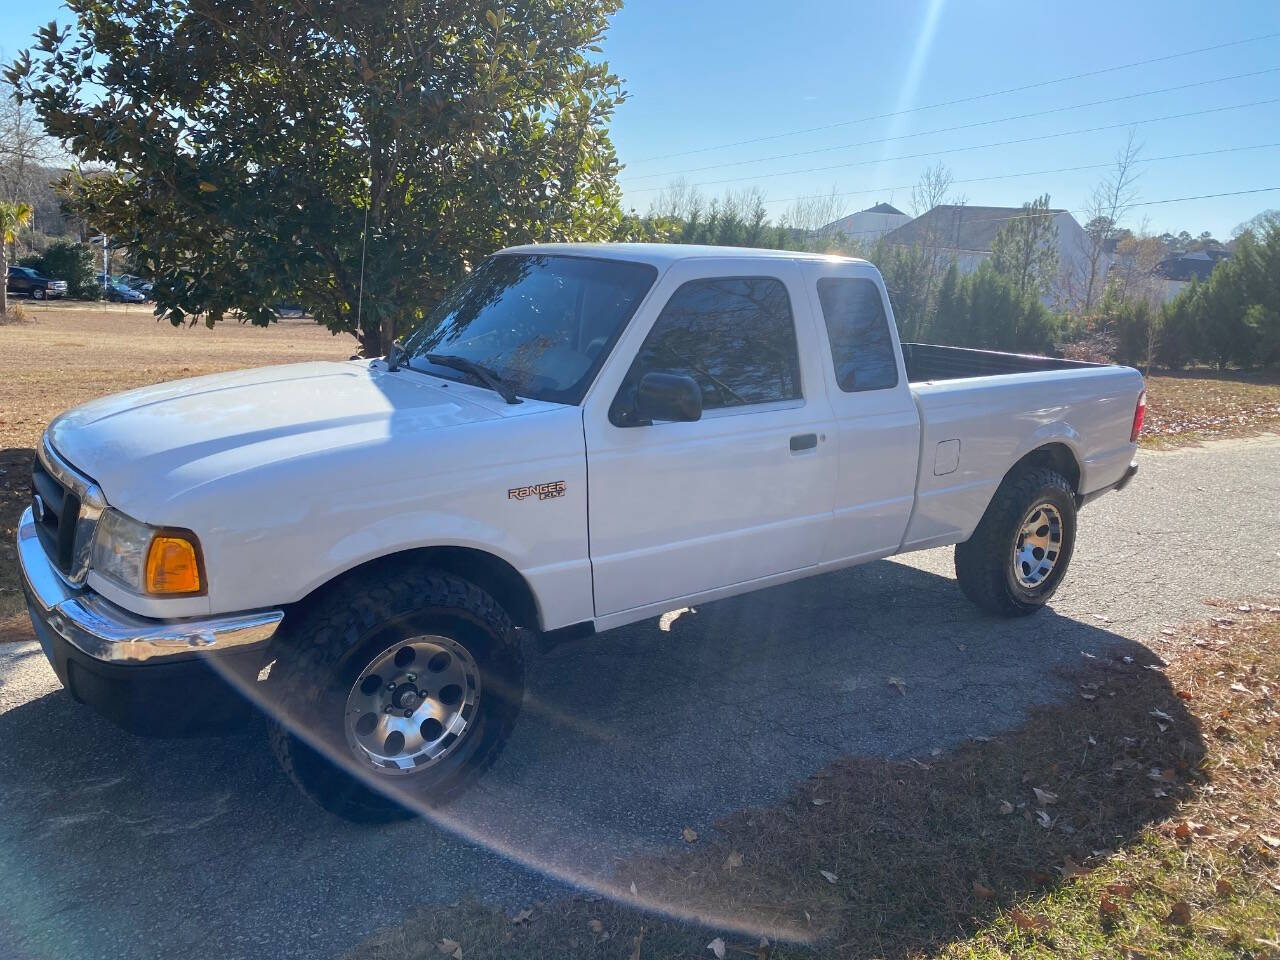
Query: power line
point(980, 146)
point(960, 100)
point(963, 126)
point(1028, 173)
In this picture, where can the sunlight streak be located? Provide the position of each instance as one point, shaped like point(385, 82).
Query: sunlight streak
point(911, 81)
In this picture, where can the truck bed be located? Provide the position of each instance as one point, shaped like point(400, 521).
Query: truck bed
point(928, 362)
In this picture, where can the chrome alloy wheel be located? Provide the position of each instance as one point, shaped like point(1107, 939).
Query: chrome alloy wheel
point(412, 706)
point(1039, 545)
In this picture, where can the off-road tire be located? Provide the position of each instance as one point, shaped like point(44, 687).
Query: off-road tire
point(984, 563)
point(317, 658)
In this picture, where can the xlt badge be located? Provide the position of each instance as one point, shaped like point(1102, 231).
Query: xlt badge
point(543, 491)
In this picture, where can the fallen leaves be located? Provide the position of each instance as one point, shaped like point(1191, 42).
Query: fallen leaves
point(1044, 797)
point(1179, 914)
point(716, 946)
point(1070, 869)
point(733, 861)
point(828, 876)
point(982, 891)
point(1026, 922)
point(898, 684)
point(690, 835)
point(450, 948)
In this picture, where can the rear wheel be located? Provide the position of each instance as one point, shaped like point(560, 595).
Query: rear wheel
point(37, 294)
point(1022, 546)
point(395, 693)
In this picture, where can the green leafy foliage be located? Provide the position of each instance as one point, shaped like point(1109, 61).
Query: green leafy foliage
point(985, 309)
point(13, 216)
point(909, 277)
point(251, 147)
point(69, 261)
point(1234, 317)
point(1025, 251)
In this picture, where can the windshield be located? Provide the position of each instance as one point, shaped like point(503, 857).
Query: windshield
point(543, 323)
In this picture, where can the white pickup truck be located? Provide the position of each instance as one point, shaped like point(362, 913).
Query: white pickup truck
point(578, 437)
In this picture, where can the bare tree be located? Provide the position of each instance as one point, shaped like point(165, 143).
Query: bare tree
point(932, 189)
point(815, 217)
point(1111, 201)
point(26, 153)
point(678, 200)
point(1135, 275)
point(1258, 223)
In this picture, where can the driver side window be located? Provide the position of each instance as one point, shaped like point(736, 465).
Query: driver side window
point(735, 336)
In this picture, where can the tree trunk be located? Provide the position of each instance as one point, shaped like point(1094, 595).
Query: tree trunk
point(370, 342)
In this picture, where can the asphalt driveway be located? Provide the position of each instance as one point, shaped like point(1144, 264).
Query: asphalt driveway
point(115, 846)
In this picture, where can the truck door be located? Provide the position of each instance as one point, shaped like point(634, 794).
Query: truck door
point(744, 493)
point(877, 433)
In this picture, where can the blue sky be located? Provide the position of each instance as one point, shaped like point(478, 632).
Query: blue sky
point(701, 74)
point(717, 71)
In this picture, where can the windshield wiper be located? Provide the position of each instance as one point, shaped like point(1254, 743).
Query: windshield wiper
point(485, 375)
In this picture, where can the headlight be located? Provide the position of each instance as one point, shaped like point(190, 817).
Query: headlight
point(146, 559)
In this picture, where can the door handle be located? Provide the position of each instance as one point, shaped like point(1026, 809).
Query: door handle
point(803, 441)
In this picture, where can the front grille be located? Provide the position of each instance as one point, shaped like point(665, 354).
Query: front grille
point(56, 511)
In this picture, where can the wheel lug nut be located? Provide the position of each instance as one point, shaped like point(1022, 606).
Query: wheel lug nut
point(411, 678)
point(408, 713)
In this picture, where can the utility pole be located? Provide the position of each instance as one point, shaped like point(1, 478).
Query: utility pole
point(106, 275)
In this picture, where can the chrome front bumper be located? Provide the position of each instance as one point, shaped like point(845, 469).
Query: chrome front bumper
point(109, 634)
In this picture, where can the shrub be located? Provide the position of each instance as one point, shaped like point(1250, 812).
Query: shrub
point(69, 261)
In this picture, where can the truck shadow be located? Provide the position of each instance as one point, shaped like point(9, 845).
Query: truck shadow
point(868, 675)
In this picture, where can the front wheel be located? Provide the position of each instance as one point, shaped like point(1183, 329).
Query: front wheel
point(37, 294)
point(1022, 546)
point(395, 693)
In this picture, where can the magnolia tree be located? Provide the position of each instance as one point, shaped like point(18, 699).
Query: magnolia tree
point(357, 156)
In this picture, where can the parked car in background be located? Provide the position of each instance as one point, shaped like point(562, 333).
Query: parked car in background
point(34, 284)
point(118, 292)
point(133, 282)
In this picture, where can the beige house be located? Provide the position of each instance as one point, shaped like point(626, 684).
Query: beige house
point(868, 226)
point(965, 234)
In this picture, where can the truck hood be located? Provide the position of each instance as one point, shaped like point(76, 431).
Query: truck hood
point(150, 447)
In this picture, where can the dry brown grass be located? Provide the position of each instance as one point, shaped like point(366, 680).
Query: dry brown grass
point(68, 353)
point(1200, 405)
point(1153, 833)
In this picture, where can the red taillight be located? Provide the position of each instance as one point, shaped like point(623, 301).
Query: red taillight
point(1139, 414)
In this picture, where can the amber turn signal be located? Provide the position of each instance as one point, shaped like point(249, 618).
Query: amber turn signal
point(172, 566)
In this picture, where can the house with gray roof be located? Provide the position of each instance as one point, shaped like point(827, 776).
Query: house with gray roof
point(869, 225)
point(965, 234)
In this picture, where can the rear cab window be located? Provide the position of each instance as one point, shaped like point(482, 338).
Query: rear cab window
point(735, 336)
point(858, 329)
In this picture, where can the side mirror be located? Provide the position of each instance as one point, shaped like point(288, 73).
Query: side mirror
point(667, 396)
